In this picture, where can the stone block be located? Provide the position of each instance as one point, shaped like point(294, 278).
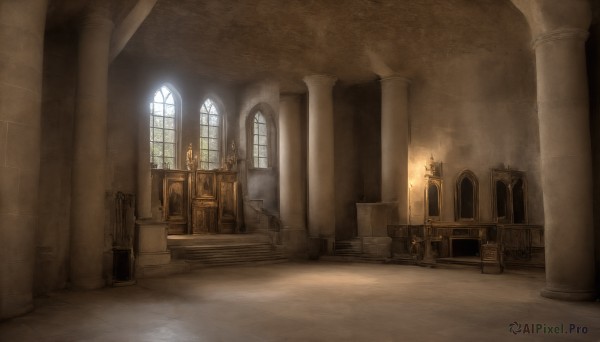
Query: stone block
point(373, 218)
point(295, 242)
point(152, 237)
point(9, 190)
point(22, 147)
point(154, 258)
point(377, 246)
point(28, 191)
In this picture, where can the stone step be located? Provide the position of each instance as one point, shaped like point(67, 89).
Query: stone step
point(349, 248)
point(238, 253)
point(195, 264)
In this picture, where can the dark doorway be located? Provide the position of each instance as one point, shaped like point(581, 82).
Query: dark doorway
point(465, 247)
point(467, 194)
point(433, 200)
point(519, 202)
point(501, 200)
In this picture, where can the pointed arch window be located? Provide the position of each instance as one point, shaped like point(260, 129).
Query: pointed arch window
point(467, 197)
point(210, 135)
point(260, 146)
point(164, 116)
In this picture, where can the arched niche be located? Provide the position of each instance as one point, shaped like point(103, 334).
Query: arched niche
point(509, 196)
point(466, 197)
point(433, 198)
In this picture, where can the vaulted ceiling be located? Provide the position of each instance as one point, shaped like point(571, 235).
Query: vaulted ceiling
point(239, 41)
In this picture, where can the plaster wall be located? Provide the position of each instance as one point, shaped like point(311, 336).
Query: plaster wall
point(476, 112)
point(259, 184)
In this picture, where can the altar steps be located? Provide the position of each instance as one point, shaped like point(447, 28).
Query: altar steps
point(351, 251)
point(228, 254)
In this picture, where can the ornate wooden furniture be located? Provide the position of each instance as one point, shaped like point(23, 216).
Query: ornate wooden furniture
point(199, 202)
point(215, 202)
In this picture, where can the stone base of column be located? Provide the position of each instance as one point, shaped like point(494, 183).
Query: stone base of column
point(568, 295)
point(320, 246)
point(295, 242)
point(154, 258)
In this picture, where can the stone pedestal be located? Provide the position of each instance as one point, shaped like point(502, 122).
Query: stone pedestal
point(152, 244)
point(380, 247)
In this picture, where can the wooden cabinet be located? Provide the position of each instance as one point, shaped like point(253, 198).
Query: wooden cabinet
point(199, 202)
point(204, 217)
point(215, 202)
point(175, 200)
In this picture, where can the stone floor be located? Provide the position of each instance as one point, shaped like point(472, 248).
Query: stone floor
point(317, 301)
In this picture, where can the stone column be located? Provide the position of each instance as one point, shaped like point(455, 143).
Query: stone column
point(22, 39)
point(89, 159)
point(566, 163)
point(394, 145)
point(292, 199)
point(144, 176)
point(321, 181)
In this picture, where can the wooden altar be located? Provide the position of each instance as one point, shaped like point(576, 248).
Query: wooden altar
point(199, 202)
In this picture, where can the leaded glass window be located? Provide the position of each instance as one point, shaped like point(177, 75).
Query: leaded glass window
point(260, 145)
point(163, 132)
point(210, 128)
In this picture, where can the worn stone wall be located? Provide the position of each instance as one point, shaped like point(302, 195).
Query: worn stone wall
point(258, 184)
point(475, 112)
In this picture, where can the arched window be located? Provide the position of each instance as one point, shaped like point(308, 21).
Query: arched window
point(467, 197)
point(260, 145)
point(261, 137)
point(210, 135)
point(164, 112)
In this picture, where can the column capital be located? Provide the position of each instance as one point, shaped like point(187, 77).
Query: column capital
point(560, 34)
point(395, 78)
point(320, 80)
point(548, 16)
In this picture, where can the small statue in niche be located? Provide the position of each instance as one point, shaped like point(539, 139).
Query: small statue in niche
point(231, 159)
point(434, 168)
point(189, 158)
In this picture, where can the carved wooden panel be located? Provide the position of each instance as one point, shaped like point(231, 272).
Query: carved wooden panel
point(228, 211)
point(206, 185)
point(204, 217)
point(176, 201)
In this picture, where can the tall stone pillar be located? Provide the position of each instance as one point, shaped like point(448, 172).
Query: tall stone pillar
point(559, 29)
point(321, 181)
point(566, 161)
point(144, 176)
point(292, 199)
point(89, 159)
point(22, 40)
point(394, 145)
